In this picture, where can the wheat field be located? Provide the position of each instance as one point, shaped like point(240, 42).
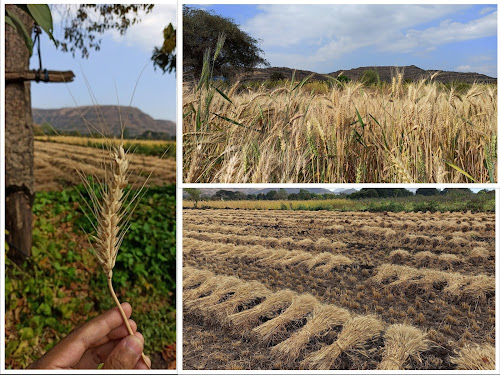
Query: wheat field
point(269, 290)
point(56, 163)
point(402, 133)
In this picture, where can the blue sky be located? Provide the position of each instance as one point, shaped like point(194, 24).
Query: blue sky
point(327, 38)
point(119, 61)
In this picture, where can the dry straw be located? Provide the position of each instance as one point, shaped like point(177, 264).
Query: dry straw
point(275, 329)
point(323, 319)
point(477, 357)
point(401, 342)
point(355, 333)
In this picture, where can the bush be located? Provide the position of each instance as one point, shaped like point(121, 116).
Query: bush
point(385, 207)
point(277, 76)
point(431, 206)
point(370, 77)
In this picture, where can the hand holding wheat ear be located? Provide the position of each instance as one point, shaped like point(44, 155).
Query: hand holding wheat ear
point(111, 215)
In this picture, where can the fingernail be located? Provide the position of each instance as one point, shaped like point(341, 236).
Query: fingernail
point(134, 344)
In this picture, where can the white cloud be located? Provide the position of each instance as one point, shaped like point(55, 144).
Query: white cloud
point(447, 32)
point(149, 32)
point(487, 10)
point(488, 69)
point(329, 32)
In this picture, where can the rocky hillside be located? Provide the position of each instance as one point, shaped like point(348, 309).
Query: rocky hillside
point(89, 118)
point(385, 73)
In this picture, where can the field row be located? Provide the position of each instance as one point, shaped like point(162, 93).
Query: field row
point(477, 223)
point(332, 215)
point(419, 249)
point(458, 314)
point(452, 284)
point(307, 334)
point(55, 166)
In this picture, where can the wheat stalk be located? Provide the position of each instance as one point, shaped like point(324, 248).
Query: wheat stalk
point(112, 219)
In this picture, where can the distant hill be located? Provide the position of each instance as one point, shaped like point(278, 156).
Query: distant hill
point(70, 119)
point(385, 73)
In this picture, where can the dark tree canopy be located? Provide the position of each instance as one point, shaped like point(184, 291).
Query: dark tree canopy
point(200, 31)
point(427, 191)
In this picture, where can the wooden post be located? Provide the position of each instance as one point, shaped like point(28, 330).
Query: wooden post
point(39, 76)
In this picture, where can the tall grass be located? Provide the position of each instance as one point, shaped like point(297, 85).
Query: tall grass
point(404, 132)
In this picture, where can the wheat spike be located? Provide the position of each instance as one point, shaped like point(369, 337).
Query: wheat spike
point(111, 226)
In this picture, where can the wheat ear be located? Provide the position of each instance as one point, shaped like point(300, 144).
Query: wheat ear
point(110, 216)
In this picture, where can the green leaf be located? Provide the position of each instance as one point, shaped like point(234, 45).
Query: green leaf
point(8, 21)
point(223, 95)
point(44, 309)
point(43, 17)
point(21, 29)
point(360, 119)
point(461, 171)
point(231, 121)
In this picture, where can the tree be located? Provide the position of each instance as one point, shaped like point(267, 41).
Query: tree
point(282, 194)
point(80, 33)
point(84, 24)
point(304, 195)
point(194, 195)
point(19, 174)
point(427, 191)
point(201, 30)
point(271, 195)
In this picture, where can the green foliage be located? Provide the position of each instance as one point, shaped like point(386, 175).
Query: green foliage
point(61, 286)
point(40, 13)
point(343, 79)
point(164, 57)
point(194, 195)
point(201, 30)
point(385, 206)
point(370, 77)
point(277, 76)
point(425, 206)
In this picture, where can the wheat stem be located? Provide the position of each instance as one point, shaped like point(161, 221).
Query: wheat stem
point(124, 317)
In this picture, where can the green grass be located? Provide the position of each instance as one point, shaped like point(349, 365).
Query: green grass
point(61, 286)
point(442, 203)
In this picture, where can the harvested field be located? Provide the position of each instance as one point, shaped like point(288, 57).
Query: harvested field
point(55, 165)
point(338, 290)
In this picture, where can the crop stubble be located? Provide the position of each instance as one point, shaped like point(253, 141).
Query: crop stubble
point(331, 290)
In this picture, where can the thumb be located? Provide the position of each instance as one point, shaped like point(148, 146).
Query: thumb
point(125, 355)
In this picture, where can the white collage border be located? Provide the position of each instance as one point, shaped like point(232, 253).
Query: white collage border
point(181, 185)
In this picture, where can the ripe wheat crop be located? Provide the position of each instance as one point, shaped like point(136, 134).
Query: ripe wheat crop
point(403, 133)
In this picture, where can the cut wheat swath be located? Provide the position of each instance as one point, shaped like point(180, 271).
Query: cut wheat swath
point(112, 218)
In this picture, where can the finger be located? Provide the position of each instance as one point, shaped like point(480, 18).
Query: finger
point(143, 366)
point(98, 354)
point(125, 355)
point(118, 333)
point(69, 351)
point(140, 337)
point(92, 332)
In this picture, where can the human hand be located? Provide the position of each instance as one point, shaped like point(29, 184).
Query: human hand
point(104, 339)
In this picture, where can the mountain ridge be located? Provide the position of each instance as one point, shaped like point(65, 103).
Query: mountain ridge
point(69, 119)
point(411, 72)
